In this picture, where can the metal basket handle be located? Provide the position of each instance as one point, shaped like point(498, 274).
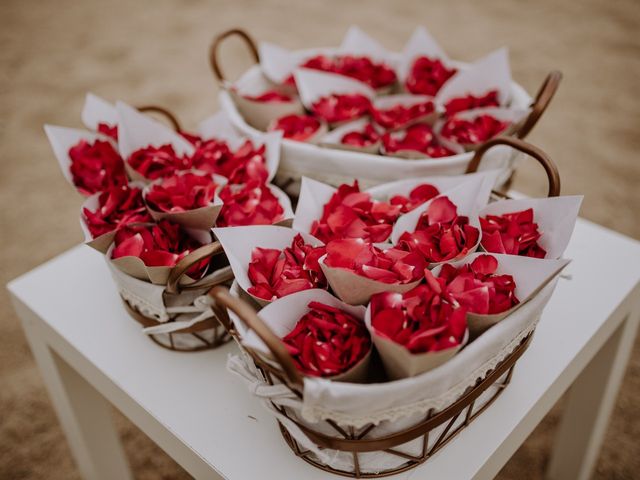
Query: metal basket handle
point(215, 46)
point(541, 102)
point(549, 166)
point(181, 268)
point(173, 120)
point(250, 318)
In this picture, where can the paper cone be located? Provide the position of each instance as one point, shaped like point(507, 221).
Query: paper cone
point(261, 114)
point(417, 155)
point(530, 274)
point(356, 42)
point(355, 289)
point(218, 126)
point(401, 363)
point(313, 196)
point(407, 100)
point(97, 110)
point(278, 63)
point(421, 44)
point(555, 216)
point(333, 139)
point(314, 85)
point(239, 242)
point(313, 139)
point(285, 202)
point(282, 315)
point(489, 73)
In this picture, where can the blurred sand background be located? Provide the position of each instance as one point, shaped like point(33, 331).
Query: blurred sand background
point(156, 52)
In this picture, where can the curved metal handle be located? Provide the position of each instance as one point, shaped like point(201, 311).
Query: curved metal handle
point(250, 318)
point(549, 166)
point(173, 120)
point(540, 104)
point(215, 46)
point(181, 268)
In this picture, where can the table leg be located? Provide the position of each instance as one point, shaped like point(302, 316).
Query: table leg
point(84, 414)
point(591, 401)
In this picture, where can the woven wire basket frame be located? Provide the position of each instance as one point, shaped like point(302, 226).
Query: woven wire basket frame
point(351, 440)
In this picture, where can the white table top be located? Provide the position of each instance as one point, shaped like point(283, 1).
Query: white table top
point(192, 397)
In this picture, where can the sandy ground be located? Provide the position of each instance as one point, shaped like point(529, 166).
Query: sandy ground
point(155, 51)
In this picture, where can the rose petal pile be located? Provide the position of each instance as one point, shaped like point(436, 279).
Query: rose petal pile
point(252, 203)
point(296, 127)
point(158, 162)
point(391, 266)
point(472, 132)
point(270, 96)
point(117, 206)
point(400, 116)
point(96, 166)
point(422, 320)
point(476, 287)
point(512, 233)
point(427, 75)
point(276, 273)
point(327, 341)
point(469, 102)
point(341, 107)
point(441, 234)
point(417, 196)
point(247, 163)
point(180, 193)
point(159, 245)
point(107, 130)
point(350, 213)
point(361, 138)
point(418, 137)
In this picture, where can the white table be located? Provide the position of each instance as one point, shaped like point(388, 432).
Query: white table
point(91, 353)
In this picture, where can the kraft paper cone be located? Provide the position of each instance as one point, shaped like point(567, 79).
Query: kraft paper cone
point(333, 139)
point(219, 127)
point(489, 73)
point(282, 315)
point(401, 363)
point(469, 197)
point(408, 100)
point(555, 216)
point(239, 242)
point(96, 110)
point(137, 130)
point(421, 44)
point(515, 117)
point(62, 139)
point(530, 274)
point(203, 218)
point(136, 268)
point(314, 85)
point(355, 289)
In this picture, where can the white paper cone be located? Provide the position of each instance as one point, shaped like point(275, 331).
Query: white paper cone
point(313, 196)
point(136, 130)
point(239, 242)
point(357, 42)
point(278, 63)
point(282, 315)
point(421, 44)
point(407, 100)
point(96, 110)
point(314, 85)
point(555, 216)
point(489, 73)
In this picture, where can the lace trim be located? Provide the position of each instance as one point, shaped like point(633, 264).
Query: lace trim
point(143, 306)
point(316, 413)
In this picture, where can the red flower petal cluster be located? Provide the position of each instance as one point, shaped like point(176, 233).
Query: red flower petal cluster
point(350, 213)
point(422, 320)
point(270, 96)
point(427, 75)
point(341, 107)
point(327, 341)
point(417, 197)
point(476, 287)
point(117, 206)
point(245, 164)
point(387, 266)
point(249, 204)
point(180, 193)
point(512, 233)
point(472, 132)
point(400, 116)
point(418, 137)
point(160, 245)
point(107, 130)
point(158, 162)
point(276, 273)
point(96, 166)
point(297, 127)
point(441, 234)
point(362, 138)
point(469, 102)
